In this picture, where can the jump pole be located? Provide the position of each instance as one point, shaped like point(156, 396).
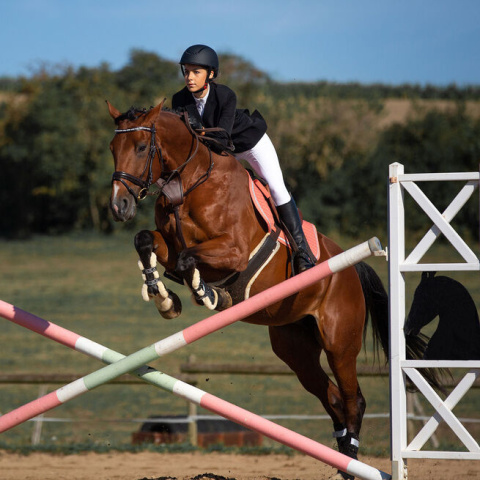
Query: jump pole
point(190, 393)
point(179, 388)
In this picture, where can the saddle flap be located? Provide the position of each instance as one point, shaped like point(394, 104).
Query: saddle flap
point(260, 195)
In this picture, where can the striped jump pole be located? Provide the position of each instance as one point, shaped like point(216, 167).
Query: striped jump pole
point(134, 363)
point(190, 334)
point(192, 394)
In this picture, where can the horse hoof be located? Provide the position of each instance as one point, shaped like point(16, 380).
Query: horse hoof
point(168, 304)
point(224, 300)
point(175, 310)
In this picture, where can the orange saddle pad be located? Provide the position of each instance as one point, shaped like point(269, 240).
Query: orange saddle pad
point(259, 195)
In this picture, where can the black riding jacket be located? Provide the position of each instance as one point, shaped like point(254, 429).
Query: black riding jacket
point(221, 111)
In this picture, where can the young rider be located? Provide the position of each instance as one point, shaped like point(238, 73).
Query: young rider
point(216, 107)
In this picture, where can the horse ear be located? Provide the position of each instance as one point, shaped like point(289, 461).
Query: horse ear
point(428, 275)
point(114, 113)
point(155, 111)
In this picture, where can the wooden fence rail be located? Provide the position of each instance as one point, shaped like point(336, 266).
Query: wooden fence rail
point(193, 367)
point(61, 378)
point(189, 374)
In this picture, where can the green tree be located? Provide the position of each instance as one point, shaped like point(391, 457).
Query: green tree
point(244, 78)
point(55, 129)
point(147, 78)
point(438, 142)
point(55, 152)
point(315, 139)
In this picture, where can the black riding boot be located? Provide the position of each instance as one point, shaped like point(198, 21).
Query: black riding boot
point(288, 213)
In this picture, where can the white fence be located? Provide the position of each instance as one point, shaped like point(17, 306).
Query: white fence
point(400, 368)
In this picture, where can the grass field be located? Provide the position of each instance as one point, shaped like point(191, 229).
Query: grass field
point(91, 284)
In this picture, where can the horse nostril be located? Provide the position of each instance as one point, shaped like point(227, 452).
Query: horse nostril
point(122, 207)
point(119, 208)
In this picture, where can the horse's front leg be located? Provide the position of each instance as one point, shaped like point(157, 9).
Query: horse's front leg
point(218, 254)
point(149, 245)
point(213, 298)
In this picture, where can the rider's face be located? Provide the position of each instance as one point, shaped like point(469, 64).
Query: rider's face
point(195, 77)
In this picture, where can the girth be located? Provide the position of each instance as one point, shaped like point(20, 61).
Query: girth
point(238, 285)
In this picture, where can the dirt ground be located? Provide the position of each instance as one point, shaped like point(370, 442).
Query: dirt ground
point(186, 466)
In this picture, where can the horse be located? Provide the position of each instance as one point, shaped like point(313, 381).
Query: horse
point(457, 336)
point(207, 229)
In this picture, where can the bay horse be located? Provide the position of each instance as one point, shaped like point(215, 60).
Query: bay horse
point(206, 230)
point(457, 336)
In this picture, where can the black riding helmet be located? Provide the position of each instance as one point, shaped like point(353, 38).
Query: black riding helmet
point(201, 55)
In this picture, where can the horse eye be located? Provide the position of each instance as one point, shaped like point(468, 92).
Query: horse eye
point(141, 148)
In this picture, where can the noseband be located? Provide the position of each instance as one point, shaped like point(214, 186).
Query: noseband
point(143, 184)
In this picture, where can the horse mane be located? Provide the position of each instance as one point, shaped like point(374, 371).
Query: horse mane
point(213, 144)
point(134, 113)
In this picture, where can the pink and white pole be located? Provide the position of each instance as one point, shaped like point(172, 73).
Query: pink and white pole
point(135, 363)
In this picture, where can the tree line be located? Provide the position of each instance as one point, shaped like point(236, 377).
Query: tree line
point(55, 130)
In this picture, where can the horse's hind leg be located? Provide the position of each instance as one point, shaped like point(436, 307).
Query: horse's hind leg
point(167, 302)
point(298, 345)
point(343, 362)
point(344, 368)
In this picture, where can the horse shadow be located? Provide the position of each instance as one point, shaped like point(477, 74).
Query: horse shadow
point(457, 336)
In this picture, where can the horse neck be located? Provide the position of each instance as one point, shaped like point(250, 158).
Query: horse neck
point(457, 310)
point(181, 150)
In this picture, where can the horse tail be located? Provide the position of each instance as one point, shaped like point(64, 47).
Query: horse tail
point(376, 303)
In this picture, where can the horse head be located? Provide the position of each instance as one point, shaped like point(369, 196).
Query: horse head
point(425, 305)
point(137, 158)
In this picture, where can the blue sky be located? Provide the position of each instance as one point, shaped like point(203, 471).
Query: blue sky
point(389, 41)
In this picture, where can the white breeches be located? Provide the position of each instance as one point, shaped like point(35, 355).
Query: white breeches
point(264, 161)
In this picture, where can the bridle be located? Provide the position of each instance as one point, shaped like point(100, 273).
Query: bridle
point(144, 185)
point(166, 176)
point(170, 182)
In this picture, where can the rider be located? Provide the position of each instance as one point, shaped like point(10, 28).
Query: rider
point(216, 107)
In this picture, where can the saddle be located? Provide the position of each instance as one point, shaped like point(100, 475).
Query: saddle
point(263, 203)
point(238, 285)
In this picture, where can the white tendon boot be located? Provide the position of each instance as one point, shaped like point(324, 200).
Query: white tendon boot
point(202, 293)
point(162, 299)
